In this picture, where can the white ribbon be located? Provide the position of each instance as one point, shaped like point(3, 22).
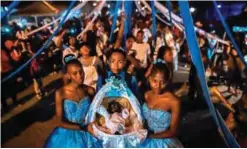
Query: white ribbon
point(165, 11)
point(149, 8)
point(79, 6)
point(99, 8)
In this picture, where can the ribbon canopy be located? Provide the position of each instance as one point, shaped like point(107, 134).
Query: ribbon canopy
point(44, 46)
point(229, 33)
point(197, 60)
point(11, 7)
point(115, 16)
point(128, 5)
point(154, 26)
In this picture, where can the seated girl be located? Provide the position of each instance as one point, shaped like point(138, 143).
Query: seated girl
point(161, 111)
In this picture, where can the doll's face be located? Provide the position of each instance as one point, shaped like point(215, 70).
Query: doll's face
point(114, 107)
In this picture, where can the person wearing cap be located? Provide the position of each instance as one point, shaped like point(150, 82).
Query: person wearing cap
point(71, 49)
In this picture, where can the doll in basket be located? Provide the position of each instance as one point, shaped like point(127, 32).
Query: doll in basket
point(117, 120)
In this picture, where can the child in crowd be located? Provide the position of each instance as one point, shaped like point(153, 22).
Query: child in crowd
point(116, 63)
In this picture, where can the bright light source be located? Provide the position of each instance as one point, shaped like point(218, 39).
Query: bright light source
point(6, 8)
point(20, 24)
point(94, 4)
point(143, 8)
point(219, 6)
point(139, 2)
point(7, 30)
point(136, 10)
point(24, 21)
point(108, 12)
point(108, 5)
point(192, 9)
point(119, 11)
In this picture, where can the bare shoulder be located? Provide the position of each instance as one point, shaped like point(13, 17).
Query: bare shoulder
point(60, 91)
point(172, 98)
point(90, 90)
point(147, 95)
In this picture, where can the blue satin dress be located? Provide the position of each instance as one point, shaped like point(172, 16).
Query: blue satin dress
point(158, 121)
point(74, 112)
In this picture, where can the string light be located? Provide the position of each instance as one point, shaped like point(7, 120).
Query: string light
point(192, 9)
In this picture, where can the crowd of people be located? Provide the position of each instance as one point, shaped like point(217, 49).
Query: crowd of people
point(146, 64)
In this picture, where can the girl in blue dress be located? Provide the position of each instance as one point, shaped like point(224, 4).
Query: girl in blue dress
point(72, 103)
point(161, 111)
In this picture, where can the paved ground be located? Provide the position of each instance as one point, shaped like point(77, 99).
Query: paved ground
point(30, 122)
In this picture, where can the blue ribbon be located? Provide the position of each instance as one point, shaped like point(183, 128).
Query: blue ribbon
point(128, 14)
point(197, 60)
point(229, 33)
point(115, 16)
point(169, 5)
point(153, 21)
point(44, 46)
point(11, 7)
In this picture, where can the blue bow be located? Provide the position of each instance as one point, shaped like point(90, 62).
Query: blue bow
point(159, 61)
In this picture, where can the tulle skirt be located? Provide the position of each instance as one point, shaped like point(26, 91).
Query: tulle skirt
point(161, 143)
point(66, 138)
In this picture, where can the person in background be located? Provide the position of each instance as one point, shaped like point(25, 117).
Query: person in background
point(174, 44)
point(8, 89)
point(91, 65)
point(37, 72)
point(142, 50)
point(165, 56)
point(71, 49)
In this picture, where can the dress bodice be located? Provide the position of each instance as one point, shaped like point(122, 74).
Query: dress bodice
point(76, 111)
point(157, 120)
